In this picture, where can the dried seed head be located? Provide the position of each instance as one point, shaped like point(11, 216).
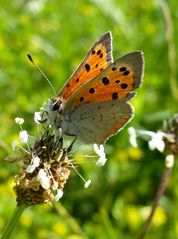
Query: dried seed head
point(44, 172)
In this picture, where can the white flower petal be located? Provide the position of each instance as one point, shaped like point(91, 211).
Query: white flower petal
point(30, 168)
point(58, 195)
point(160, 145)
point(87, 183)
point(43, 179)
point(19, 121)
point(96, 149)
point(55, 185)
point(170, 161)
point(37, 117)
point(101, 161)
point(157, 142)
point(23, 135)
point(36, 161)
point(102, 156)
point(14, 144)
point(151, 144)
point(133, 136)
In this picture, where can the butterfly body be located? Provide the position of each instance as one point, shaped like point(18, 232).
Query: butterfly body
point(94, 102)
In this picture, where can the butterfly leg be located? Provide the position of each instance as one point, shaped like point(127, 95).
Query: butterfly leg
point(71, 145)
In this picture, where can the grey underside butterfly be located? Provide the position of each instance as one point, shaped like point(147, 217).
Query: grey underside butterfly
point(94, 102)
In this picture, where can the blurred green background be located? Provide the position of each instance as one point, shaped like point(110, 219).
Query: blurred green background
point(58, 34)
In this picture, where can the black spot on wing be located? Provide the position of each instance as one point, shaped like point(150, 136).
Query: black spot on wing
point(91, 90)
point(124, 85)
point(114, 95)
point(81, 98)
point(105, 80)
point(87, 67)
point(123, 68)
point(126, 73)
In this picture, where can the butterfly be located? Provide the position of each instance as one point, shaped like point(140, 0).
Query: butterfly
point(94, 102)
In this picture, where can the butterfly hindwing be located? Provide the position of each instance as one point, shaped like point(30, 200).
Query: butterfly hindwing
point(97, 59)
point(95, 122)
point(116, 82)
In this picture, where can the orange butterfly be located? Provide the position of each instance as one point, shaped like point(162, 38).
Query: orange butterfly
point(93, 103)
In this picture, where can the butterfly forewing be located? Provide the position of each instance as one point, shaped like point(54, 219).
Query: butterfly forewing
point(116, 82)
point(98, 58)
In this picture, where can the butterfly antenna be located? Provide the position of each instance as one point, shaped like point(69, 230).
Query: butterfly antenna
point(43, 74)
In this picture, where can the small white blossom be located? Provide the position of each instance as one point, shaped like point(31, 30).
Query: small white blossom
point(30, 168)
point(87, 183)
point(14, 144)
point(157, 142)
point(55, 185)
point(102, 156)
point(23, 135)
point(58, 195)
point(37, 117)
point(169, 161)
point(133, 136)
point(35, 162)
point(19, 121)
point(43, 179)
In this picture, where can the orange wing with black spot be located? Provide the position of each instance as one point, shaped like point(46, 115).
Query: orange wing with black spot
point(98, 58)
point(116, 82)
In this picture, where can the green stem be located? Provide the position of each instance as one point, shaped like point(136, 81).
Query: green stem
point(13, 222)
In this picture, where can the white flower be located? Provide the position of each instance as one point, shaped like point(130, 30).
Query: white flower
point(87, 183)
point(43, 179)
point(55, 185)
point(58, 195)
point(156, 141)
point(37, 117)
point(133, 136)
point(19, 121)
point(23, 135)
point(30, 168)
point(35, 162)
point(169, 161)
point(14, 144)
point(102, 156)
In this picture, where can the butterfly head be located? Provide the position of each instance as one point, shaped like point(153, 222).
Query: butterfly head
point(56, 105)
point(51, 114)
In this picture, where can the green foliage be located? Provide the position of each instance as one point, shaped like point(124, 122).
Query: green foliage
point(58, 34)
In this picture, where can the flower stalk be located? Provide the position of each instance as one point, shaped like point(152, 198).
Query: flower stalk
point(13, 222)
point(168, 140)
point(156, 201)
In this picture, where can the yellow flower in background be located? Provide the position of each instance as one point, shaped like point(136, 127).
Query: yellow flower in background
point(135, 153)
point(26, 220)
point(133, 216)
point(60, 228)
point(160, 217)
point(122, 155)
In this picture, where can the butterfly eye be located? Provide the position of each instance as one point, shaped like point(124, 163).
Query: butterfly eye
point(56, 105)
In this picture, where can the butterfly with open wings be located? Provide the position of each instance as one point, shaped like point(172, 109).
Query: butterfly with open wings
point(94, 102)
